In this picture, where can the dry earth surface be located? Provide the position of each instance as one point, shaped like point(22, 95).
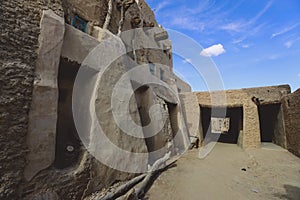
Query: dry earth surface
point(231, 173)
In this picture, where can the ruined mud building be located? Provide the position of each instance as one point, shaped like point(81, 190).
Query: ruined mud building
point(44, 43)
point(256, 115)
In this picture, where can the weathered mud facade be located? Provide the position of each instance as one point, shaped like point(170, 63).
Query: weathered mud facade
point(265, 114)
point(291, 108)
point(19, 44)
point(43, 45)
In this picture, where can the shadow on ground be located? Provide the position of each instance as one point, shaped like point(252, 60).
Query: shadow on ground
point(291, 193)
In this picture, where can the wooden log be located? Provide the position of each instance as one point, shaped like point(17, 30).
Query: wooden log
point(146, 181)
point(141, 191)
point(108, 15)
point(123, 189)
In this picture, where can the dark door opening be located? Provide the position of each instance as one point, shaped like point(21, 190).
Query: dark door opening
point(268, 121)
point(173, 116)
point(235, 117)
point(67, 141)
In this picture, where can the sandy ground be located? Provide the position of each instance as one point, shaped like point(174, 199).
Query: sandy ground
point(271, 173)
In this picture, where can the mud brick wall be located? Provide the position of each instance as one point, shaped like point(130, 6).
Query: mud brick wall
point(19, 31)
point(242, 98)
point(291, 108)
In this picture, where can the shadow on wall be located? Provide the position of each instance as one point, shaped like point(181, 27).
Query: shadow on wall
point(292, 193)
point(269, 122)
point(68, 143)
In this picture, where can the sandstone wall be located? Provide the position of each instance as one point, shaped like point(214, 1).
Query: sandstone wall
point(291, 110)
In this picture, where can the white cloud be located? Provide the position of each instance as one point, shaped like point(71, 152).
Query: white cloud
point(243, 26)
point(274, 57)
point(299, 75)
point(239, 40)
point(188, 23)
point(161, 5)
point(261, 13)
point(213, 50)
point(234, 26)
point(246, 46)
point(285, 30)
point(246, 33)
point(290, 43)
point(187, 60)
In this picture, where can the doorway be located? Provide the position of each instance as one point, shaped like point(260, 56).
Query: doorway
point(67, 141)
point(268, 121)
point(230, 132)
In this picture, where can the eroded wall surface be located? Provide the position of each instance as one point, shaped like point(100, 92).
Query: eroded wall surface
point(291, 108)
point(87, 174)
point(19, 24)
point(42, 119)
point(192, 115)
point(30, 54)
point(248, 98)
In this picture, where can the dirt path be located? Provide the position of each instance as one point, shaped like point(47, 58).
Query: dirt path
point(231, 173)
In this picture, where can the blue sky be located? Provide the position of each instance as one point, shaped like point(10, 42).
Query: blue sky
point(252, 42)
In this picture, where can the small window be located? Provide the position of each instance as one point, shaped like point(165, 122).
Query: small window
point(152, 68)
point(79, 23)
point(162, 74)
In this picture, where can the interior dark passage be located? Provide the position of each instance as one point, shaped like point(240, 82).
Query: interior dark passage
point(173, 116)
point(235, 116)
point(268, 120)
point(67, 141)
